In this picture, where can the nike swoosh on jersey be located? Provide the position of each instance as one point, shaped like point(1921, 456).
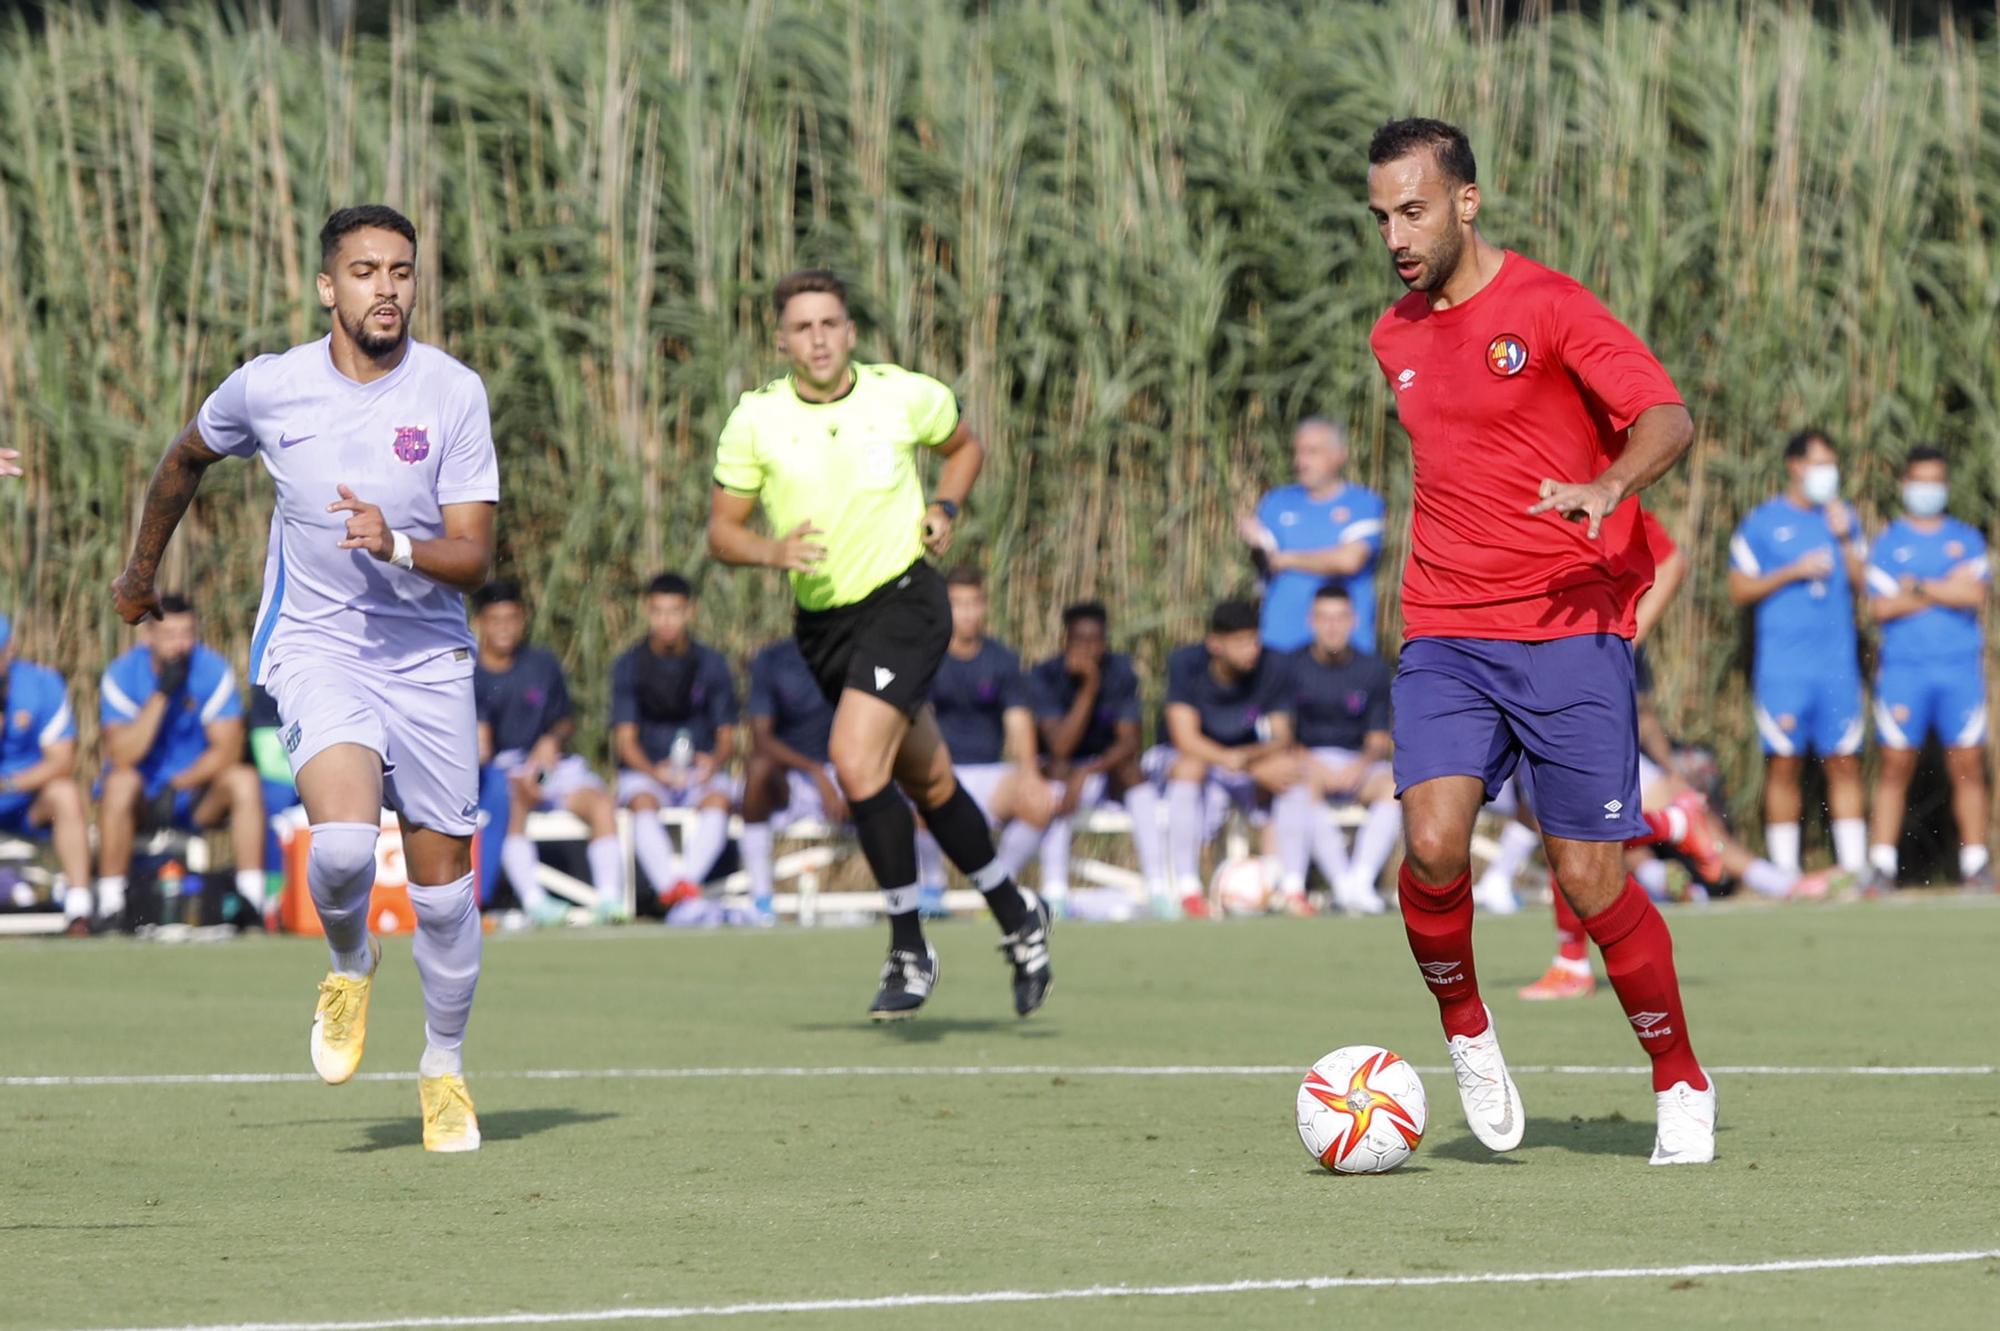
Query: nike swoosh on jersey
point(283, 442)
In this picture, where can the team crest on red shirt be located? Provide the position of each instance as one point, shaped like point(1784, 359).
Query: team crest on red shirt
point(413, 443)
point(1506, 355)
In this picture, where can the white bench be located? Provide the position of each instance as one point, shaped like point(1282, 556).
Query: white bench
point(191, 848)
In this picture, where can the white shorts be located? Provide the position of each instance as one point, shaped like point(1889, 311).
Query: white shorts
point(632, 784)
point(424, 728)
point(570, 775)
point(1222, 791)
point(802, 801)
point(1338, 758)
point(982, 782)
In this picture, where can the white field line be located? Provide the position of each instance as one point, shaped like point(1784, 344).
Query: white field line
point(997, 1070)
point(679, 1312)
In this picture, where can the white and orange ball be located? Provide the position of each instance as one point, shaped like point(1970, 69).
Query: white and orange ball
point(1241, 886)
point(1362, 1110)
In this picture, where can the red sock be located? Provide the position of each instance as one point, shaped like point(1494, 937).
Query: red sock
point(1572, 944)
point(1659, 828)
point(1639, 959)
point(1438, 921)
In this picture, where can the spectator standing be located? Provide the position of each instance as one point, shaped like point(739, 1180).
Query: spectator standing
point(1319, 529)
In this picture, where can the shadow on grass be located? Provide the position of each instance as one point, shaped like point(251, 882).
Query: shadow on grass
point(1471, 1150)
point(503, 1125)
point(1612, 1134)
point(929, 1030)
point(1359, 1180)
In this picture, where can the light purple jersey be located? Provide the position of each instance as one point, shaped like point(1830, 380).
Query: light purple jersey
point(411, 442)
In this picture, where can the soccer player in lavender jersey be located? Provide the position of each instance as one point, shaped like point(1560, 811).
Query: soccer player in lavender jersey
point(1928, 578)
point(1228, 729)
point(1534, 419)
point(788, 777)
point(1087, 705)
point(525, 725)
point(38, 796)
point(1340, 713)
point(830, 451)
point(1321, 529)
point(673, 730)
point(172, 718)
point(382, 455)
point(987, 718)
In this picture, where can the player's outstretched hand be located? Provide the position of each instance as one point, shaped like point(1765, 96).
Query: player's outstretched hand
point(937, 530)
point(366, 527)
point(134, 598)
point(798, 552)
point(1586, 503)
point(10, 462)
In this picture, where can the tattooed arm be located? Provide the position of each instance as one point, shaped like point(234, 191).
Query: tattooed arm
point(167, 496)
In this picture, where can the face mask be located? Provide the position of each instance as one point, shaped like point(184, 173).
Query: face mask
point(1821, 483)
point(1924, 499)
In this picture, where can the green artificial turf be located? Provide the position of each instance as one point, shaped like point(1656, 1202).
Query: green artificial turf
point(209, 1204)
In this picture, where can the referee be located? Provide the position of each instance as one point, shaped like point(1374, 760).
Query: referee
point(831, 452)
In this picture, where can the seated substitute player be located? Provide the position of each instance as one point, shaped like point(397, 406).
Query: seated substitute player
point(831, 452)
point(1797, 558)
point(1228, 729)
point(525, 725)
point(1318, 530)
point(1534, 419)
point(787, 777)
point(673, 729)
point(173, 754)
point(1340, 713)
point(1087, 706)
point(1928, 577)
point(39, 795)
point(987, 719)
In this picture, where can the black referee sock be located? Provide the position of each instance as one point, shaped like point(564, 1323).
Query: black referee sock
point(962, 834)
point(887, 832)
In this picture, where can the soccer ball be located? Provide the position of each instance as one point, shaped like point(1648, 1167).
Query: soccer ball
point(1241, 886)
point(1361, 1110)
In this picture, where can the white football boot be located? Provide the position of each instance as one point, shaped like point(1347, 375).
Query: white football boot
point(1492, 1103)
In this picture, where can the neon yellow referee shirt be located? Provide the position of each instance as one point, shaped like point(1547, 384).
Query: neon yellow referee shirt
point(849, 467)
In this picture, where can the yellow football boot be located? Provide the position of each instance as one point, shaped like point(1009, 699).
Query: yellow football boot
point(449, 1122)
point(340, 1021)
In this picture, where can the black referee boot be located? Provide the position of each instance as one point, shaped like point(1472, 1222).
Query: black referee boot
point(908, 977)
point(1027, 948)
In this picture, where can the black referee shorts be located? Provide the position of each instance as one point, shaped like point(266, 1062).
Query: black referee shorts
point(887, 645)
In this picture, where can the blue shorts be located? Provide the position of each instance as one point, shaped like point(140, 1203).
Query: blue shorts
point(1797, 714)
point(1912, 702)
point(14, 815)
point(1564, 708)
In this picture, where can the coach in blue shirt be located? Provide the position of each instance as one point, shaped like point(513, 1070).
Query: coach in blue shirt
point(1797, 559)
point(1321, 529)
point(39, 796)
point(173, 753)
point(1927, 581)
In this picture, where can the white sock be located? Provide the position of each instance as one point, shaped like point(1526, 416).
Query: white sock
point(520, 859)
point(1781, 843)
point(1652, 875)
point(1294, 814)
point(250, 886)
point(110, 894)
point(1971, 859)
point(446, 949)
point(754, 847)
point(930, 861)
point(1767, 879)
point(1018, 843)
point(1883, 860)
point(439, 1061)
point(1149, 843)
point(706, 843)
point(1184, 832)
point(655, 852)
point(1329, 852)
point(1517, 842)
point(1055, 859)
point(340, 873)
point(899, 900)
point(77, 903)
point(607, 871)
point(1377, 841)
point(1850, 844)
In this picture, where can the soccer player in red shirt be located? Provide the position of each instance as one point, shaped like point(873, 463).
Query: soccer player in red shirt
point(1534, 418)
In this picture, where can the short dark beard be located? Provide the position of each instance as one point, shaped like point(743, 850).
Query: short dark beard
point(374, 345)
point(1442, 262)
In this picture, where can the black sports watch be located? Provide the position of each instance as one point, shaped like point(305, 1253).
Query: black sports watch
point(950, 508)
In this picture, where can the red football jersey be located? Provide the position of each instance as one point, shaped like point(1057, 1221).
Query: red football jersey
point(1530, 378)
point(1658, 543)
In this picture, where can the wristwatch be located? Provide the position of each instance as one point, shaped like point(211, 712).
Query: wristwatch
point(950, 508)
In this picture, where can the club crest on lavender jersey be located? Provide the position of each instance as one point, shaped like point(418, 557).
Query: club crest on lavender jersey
point(413, 443)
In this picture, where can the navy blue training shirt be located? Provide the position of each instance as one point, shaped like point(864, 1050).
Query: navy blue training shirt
point(972, 696)
point(782, 687)
point(662, 694)
point(1230, 714)
point(1335, 704)
point(1054, 690)
point(523, 702)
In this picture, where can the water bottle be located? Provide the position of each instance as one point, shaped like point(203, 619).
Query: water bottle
point(680, 755)
point(169, 884)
